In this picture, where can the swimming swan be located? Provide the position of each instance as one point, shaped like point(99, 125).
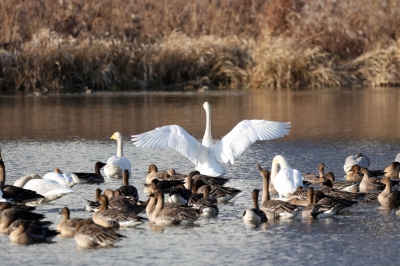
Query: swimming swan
point(210, 157)
point(117, 164)
point(287, 179)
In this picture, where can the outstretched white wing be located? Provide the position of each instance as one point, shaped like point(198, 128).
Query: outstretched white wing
point(173, 137)
point(246, 133)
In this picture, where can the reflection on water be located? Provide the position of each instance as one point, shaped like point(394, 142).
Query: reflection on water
point(72, 133)
point(314, 114)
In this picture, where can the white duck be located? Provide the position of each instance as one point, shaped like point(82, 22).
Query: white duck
point(50, 189)
point(209, 157)
point(117, 164)
point(287, 179)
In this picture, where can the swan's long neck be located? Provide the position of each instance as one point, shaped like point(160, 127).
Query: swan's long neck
point(207, 139)
point(119, 150)
point(278, 161)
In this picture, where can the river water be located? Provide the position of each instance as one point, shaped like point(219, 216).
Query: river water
point(71, 132)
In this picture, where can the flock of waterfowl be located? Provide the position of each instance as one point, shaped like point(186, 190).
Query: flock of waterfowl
point(190, 196)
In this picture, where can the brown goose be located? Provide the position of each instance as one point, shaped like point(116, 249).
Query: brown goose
point(90, 178)
point(67, 225)
point(341, 185)
point(114, 218)
point(393, 170)
point(165, 185)
point(89, 234)
point(153, 173)
point(119, 202)
point(16, 194)
point(27, 223)
point(315, 178)
point(387, 197)
point(314, 210)
point(167, 214)
point(95, 204)
point(220, 193)
point(209, 180)
point(24, 235)
point(207, 206)
point(127, 190)
point(275, 209)
point(353, 174)
point(369, 184)
point(7, 216)
point(254, 215)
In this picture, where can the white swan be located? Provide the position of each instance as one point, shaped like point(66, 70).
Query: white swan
point(209, 157)
point(48, 188)
point(287, 179)
point(60, 178)
point(361, 159)
point(117, 164)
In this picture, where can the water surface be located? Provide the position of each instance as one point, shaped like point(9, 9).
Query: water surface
point(72, 132)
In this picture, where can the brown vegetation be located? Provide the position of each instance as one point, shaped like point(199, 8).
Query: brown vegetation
point(66, 45)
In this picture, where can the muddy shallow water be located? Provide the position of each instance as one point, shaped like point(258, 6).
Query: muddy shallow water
point(72, 132)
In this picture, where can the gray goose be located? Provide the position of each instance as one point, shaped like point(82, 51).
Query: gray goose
point(275, 209)
point(89, 234)
point(127, 190)
point(254, 215)
point(67, 225)
point(168, 214)
point(90, 178)
point(24, 235)
point(114, 218)
point(16, 194)
point(388, 197)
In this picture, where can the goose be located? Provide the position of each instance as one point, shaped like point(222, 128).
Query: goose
point(165, 185)
point(209, 180)
point(221, 194)
point(315, 178)
point(89, 178)
point(341, 185)
point(14, 193)
point(207, 206)
point(89, 234)
point(393, 170)
point(114, 218)
point(387, 197)
point(353, 174)
point(117, 164)
point(369, 184)
point(168, 214)
point(254, 215)
point(314, 210)
point(27, 223)
point(287, 179)
point(7, 216)
point(209, 157)
point(95, 204)
point(275, 209)
point(181, 195)
point(121, 203)
point(127, 190)
point(50, 189)
point(153, 173)
point(67, 225)
point(360, 159)
point(24, 235)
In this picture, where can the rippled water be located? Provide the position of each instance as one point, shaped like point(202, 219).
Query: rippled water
point(72, 132)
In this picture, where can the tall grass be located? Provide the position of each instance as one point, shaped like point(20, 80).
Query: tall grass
point(66, 45)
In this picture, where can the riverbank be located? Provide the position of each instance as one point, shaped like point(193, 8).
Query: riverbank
point(123, 45)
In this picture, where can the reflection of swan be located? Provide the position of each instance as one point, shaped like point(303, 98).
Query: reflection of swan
point(117, 164)
point(360, 159)
point(210, 157)
point(287, 179)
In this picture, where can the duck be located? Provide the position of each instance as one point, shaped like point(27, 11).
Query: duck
point(208, 157)
point(128, 191)
point(50, 189)
point(169, 214)
point(359, 158)
point(287, 179)
point(254, 215)
point(315, 178)
point(388, 197)
point(369, 184)
point(114, 218)
point(14, 193)
point(207, 205)
point(89, 178)
point(275, 209)
point(67, 225)
point(24, 235)
point(89, 234)
point(117, 164)
point(315, 210)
